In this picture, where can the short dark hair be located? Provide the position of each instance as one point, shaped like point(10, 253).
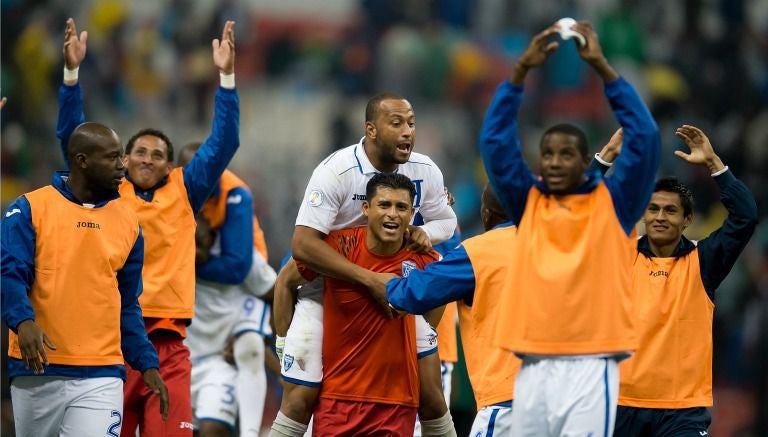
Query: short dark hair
point(155, 133)
point(373, 104)
point(395, 181)
point(673, 185)
point(569, 129)
point(191, 148)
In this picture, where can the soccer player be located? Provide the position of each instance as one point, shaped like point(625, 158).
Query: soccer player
point(166, 200)
point(370, 383)
point(570, 322)
point(71, 280)
point(666, 387)
point(475, 275)
point(232, 277)
point(333, 200)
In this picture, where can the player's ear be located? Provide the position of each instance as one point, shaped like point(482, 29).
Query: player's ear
point(370, 130)
point(366, 205)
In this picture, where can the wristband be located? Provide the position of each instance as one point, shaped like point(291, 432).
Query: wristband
point(70, 75)
point(227, 80)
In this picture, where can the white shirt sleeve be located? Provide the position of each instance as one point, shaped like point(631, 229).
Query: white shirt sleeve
point(321, 201)
point(439, 218)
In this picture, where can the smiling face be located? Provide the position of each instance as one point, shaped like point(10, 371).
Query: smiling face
point(389, 212)
point(562, 163)
point(665, 218)
point(391, 134)
point(147, 161)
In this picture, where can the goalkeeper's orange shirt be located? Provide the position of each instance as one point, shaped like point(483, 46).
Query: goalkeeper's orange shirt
point(366, 357)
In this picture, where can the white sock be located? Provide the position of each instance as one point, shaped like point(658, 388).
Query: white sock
point(251, 383)
point(442, 426)
point(284, 426)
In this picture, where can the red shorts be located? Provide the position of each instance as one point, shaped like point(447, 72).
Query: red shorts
point(335, 417)
point(142, 408)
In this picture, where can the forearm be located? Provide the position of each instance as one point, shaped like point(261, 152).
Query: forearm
point(202, 173)
point(441, 282)
point(508, 173)
point(604, 69)
point(137, 349)
point(70, 115)
point(282, 308)
point(440, 230)
point(323, 259)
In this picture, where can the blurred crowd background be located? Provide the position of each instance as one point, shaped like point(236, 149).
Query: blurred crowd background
point(305, 70)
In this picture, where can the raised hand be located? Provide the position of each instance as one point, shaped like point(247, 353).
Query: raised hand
point(701, 151)
point(612, 149)
point(592, 52)
point(535, 54)
point(32, 343)
point(74, 46)
point(155, 382)
point(224, 49)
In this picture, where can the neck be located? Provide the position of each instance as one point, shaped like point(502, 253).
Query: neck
point(664, 250)
point(368, 148)
point(80, 189)
point(379, 247)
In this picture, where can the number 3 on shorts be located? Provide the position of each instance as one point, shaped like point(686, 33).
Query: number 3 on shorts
point(114, 428)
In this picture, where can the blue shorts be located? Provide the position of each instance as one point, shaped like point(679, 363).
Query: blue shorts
point(659, 422)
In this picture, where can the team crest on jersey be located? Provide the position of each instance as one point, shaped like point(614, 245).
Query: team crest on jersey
point(287, 361)
point(315, 198)
point(408, 266)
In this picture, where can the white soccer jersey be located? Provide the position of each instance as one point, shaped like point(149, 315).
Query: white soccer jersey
point(335, 192)
point(222, 310)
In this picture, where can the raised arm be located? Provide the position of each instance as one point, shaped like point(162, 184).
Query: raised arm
point(719, 251)
point(634, 171)
point(508, 172)
point(204, 170)
point(232, 264)
point(70, 95)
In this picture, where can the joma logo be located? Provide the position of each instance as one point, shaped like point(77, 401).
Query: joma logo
point(90, 225)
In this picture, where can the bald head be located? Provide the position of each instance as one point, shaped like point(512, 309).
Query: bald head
point(491, 211)
point(89, 138)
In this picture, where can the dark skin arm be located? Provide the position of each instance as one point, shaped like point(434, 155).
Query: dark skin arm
point(32, 342)
point(154, 382)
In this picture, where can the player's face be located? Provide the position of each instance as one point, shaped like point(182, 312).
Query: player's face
point(393, 132)
point(105, 169)
point(148, 161)
point(665, 219)
point(389, 213)
point(562, 164)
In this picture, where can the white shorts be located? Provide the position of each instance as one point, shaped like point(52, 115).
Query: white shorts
point(492, 420)
point(303, 352)
point(566, 396)
point(213, 391)
point(56, 406)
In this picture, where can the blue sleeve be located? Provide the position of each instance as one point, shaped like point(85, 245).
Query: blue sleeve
point(447, 280)
point(508, 174)
point(719, 251)
point(18, 263)
point(634, 171)
point(449, 244)
point(137, 349)
point(232, 265)
point(71, 114)
point(596, 165)
point(202, 173)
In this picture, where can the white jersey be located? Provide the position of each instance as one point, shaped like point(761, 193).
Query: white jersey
point(222, 308)
point(335, 192)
